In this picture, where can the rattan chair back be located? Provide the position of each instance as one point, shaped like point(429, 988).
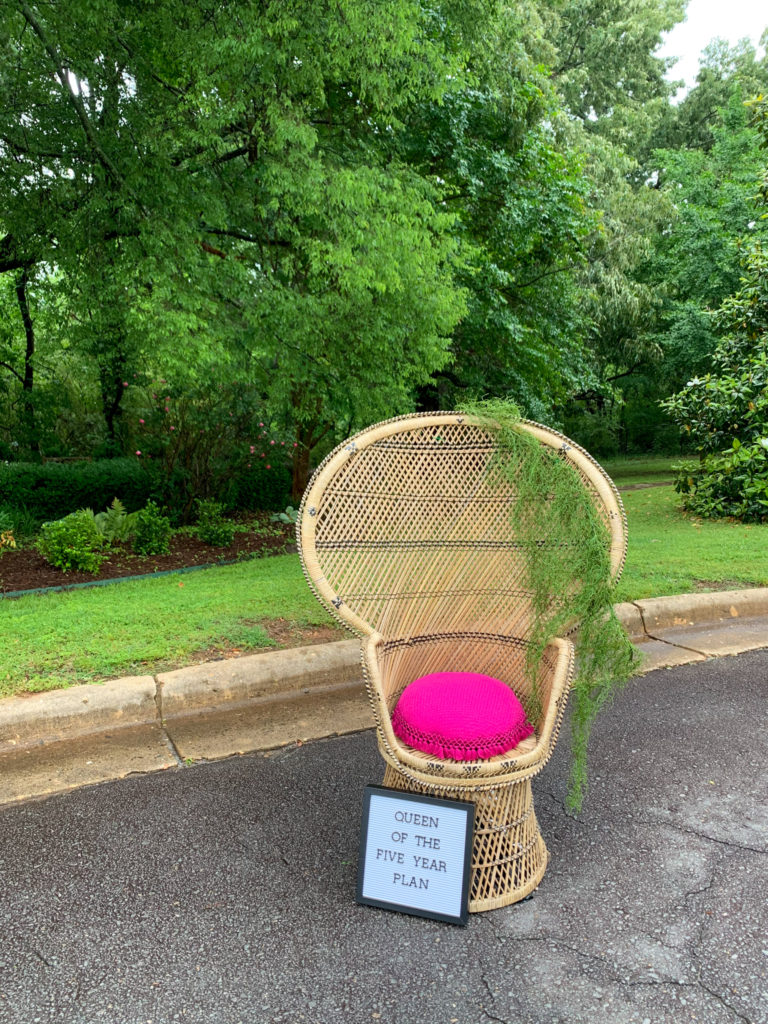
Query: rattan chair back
point(405, 529)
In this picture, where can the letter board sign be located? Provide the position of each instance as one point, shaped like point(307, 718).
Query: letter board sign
point(415, 854)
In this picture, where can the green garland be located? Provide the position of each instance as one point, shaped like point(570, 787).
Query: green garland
point(552, 502)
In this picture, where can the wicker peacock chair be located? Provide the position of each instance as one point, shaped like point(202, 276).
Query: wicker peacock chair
point(404, 533)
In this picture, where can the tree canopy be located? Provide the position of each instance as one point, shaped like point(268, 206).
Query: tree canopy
point(342, 210)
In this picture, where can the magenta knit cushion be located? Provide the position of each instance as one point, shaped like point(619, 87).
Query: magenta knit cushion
point(460, 715)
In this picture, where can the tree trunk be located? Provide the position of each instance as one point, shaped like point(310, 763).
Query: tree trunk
point(112, 368)
point(111, 397)
point(30, 426)
point(300, 466)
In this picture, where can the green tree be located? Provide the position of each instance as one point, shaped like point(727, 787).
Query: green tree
point(724, 72)
point(614, 88)
point(496, 150)
point(726, 412)
point(696, 258)
point(222, 183)
point(605, 65)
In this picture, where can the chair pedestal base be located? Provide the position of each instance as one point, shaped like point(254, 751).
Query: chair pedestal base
point(509, 857)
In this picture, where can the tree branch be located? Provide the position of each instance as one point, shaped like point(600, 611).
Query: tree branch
point(10, 257)
point(214, 252)
point(16, 374)
point(174, 89)
point(535, 280)
point(626, 373)
point(76, 100)
point(243, 236)
point(21, 147)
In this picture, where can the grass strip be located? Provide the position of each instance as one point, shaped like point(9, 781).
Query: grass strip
point(670, 553)
point(637, 469)
point(147, 626)
point(143, 627)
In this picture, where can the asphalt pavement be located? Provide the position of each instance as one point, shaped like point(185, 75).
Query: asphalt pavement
point(223, 893)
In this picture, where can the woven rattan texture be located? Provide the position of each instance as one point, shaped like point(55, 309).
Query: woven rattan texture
point(411, 534)
point(509, 856)
point(405, 534)
point(389, 666)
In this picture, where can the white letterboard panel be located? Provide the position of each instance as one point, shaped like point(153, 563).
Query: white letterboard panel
point(415, 854)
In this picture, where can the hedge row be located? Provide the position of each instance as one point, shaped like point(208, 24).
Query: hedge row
point(53, 490)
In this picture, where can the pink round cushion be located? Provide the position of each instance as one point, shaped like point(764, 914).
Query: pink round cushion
point(460, 715)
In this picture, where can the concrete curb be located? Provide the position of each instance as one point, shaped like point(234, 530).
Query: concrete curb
point(268, 678)
point(42, 718)
point(80, 710)
point(697, 609)
point(258, 677)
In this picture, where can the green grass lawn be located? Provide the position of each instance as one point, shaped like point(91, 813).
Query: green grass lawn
point(148, 626)
point(53, 640)
point(635, 469)
point(670, 553)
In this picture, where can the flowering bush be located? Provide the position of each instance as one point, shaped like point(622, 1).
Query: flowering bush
point(207, 441)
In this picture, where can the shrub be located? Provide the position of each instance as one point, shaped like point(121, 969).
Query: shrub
point(73, 542)
point(212, 527)
point(54, 489)
point(152, 531)
point(730, 483)
point(7, 540)
point(255, 487)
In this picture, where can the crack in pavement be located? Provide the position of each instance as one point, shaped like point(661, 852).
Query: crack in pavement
point(492, 997)
point(724, 1002)
point(729, 843)
point(704, 888)
point(616, 976)
point(696, 957)
point(36, 952)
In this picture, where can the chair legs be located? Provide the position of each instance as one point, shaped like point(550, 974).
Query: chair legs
point(509, 857)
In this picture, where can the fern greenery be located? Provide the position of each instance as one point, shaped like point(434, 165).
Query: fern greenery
point(569, 576)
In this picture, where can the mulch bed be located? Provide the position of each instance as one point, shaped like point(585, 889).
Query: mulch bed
point(25, 569)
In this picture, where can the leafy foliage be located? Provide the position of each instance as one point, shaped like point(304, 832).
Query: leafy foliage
point(228, 186)
point(152, 531)
point(289, 516)
point(338, 212)
point(73, 542)
point(568, 576)
point(728, 409)
point(212, 527)
point(606, 67)
point(730, 483)
point(496, 148)
point(725, 72)
point(115, 524)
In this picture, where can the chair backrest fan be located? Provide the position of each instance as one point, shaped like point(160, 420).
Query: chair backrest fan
point(405, 529)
